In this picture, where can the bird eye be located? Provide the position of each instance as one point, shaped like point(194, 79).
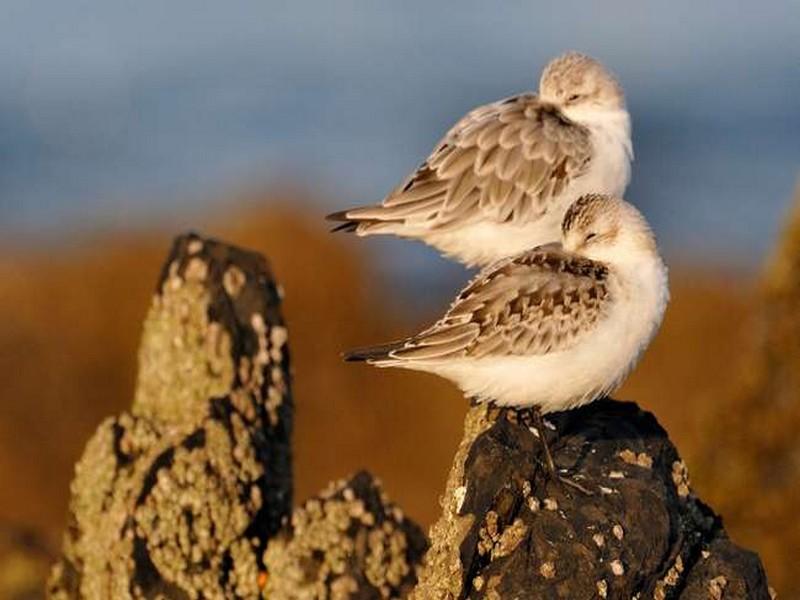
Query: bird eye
point(574, 98)
point(590, 237)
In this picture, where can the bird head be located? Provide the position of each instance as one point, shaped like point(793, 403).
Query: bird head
point(606, 229)
point(580, 86)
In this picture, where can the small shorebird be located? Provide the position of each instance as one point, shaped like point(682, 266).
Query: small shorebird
point(501, 179)
point(554, 327)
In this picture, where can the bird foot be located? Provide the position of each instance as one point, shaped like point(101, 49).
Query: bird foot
point(552, 475)
point(565, 480)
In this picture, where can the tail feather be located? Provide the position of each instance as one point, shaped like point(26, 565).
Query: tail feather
point(345, 222)
point(363, 220)
point(348, 226)
point(340, 215)
point(372, 353)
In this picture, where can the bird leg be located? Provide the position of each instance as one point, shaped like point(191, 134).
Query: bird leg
point(551, 465)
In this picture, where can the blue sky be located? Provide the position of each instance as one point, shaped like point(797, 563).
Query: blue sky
point(124, 112)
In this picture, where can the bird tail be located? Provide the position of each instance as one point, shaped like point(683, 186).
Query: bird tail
point(372, 354)
point(365, 220)
point(345, 222)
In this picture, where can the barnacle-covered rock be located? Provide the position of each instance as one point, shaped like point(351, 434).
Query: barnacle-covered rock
point(508, 531)
point(178, 497)
point(351, 542)
point(188, 495)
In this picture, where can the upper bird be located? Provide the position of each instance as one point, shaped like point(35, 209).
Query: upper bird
point(553, 327)
point(501, 179)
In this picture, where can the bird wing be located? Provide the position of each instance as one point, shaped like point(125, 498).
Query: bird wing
point(539, 302)
point(504, 161)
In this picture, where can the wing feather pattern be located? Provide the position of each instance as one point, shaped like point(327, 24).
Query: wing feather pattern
point(539, 302)
point(505, 161)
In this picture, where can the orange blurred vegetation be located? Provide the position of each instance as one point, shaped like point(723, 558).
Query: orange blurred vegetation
point(72, 318)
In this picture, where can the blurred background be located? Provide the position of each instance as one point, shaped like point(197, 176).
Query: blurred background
point(122, 124)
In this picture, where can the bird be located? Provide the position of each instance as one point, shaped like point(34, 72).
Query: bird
point(551, 328)
point(503, 176)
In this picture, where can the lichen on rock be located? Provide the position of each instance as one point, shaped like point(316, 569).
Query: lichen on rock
point(178, 497)
point(184, 357)
point(350, 542)
point(442, 572)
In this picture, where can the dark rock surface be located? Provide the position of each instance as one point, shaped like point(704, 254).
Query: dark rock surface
point(509, 532)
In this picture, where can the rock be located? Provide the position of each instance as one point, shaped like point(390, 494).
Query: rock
point(188, 495)
point(178, 497)
point(507, 531)
point(350, 542)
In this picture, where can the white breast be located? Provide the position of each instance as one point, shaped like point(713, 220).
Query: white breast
point(612, 153)
point(595, 366)
point(484, 241)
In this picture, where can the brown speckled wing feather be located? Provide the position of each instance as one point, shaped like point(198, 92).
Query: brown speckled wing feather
point(504, 161)
point(542, 301)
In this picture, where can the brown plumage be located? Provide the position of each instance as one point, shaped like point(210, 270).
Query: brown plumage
point(542, 301)
point(504, 162)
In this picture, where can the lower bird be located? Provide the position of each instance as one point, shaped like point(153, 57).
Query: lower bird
point(554, 327)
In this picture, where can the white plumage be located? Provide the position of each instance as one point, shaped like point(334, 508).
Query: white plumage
point(553, 327)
